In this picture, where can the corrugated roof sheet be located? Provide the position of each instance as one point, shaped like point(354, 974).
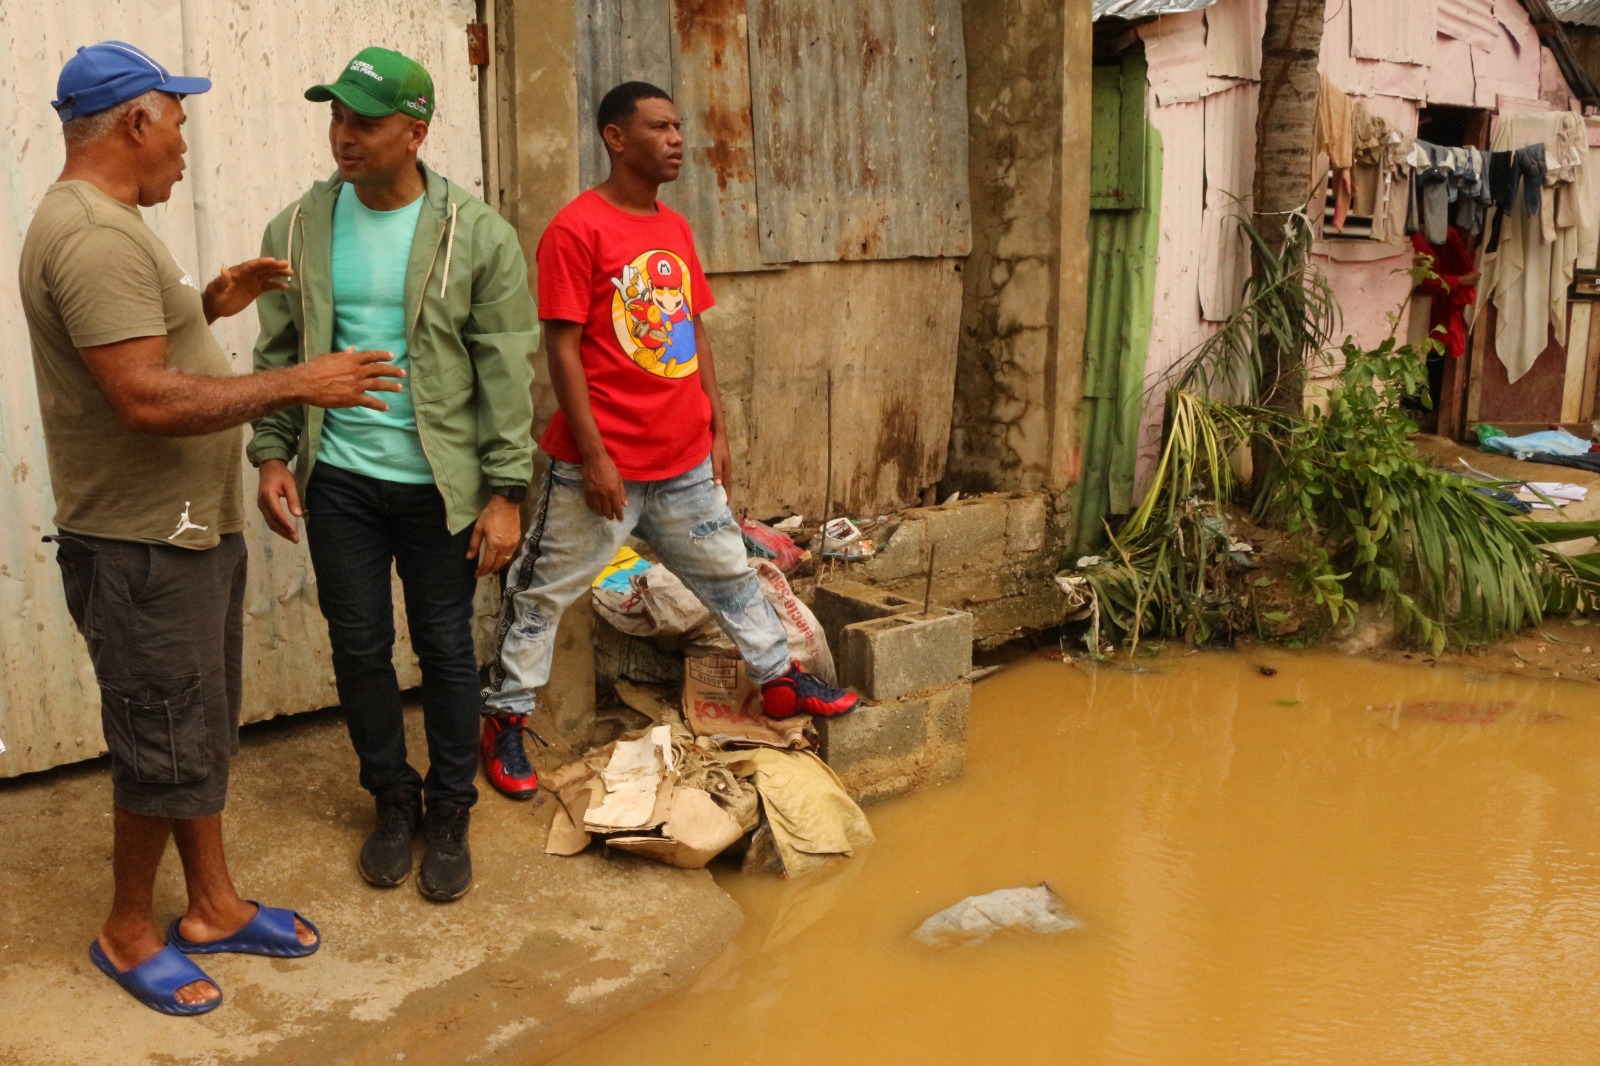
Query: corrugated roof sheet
point(1233, 39)
point(1180, 50)
point(1138, 9)
point(1572, 12)
point(1121, 299)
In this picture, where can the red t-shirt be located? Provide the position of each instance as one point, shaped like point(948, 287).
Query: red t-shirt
point(635, 284)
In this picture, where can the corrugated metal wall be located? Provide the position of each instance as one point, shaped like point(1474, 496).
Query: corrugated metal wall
point(254, 144)
point(1122, 281)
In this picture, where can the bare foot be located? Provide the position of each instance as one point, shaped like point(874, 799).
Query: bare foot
point(127, 948)
point(202, 928)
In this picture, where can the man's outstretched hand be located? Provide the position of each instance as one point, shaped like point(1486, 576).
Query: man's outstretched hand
point(237, 287)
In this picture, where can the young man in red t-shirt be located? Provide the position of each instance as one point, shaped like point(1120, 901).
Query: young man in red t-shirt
point(640, 445)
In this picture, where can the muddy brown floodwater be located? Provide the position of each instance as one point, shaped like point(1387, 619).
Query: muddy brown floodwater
point(1345, 862)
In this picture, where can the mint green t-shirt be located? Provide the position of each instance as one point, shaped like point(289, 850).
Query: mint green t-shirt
point(370, 252)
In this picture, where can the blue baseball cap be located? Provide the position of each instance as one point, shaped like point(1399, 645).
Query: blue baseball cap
point(104, 75)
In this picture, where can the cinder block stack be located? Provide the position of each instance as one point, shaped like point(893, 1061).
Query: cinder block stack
point(910, 669)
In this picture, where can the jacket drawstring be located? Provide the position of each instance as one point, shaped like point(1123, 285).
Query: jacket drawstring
point(449, 249)
point(288, 253)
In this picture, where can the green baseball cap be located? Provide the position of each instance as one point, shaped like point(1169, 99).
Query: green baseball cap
point(380, 82)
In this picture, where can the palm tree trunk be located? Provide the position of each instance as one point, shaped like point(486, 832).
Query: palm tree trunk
point(1285, 154)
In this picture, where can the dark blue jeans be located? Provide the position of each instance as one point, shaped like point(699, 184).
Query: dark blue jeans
point(357, 526)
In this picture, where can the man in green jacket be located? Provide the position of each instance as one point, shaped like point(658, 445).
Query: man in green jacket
point(389, 255)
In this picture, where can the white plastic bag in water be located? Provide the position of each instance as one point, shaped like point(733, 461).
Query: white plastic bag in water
point(977, 918)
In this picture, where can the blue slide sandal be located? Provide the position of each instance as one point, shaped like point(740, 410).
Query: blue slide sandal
point(270, 932)
point(156, 980)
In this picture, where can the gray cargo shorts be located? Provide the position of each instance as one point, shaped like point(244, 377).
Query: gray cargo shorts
point(165, 631)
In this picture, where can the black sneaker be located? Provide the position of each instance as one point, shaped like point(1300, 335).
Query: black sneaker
point(446, 864)
point(386, 855)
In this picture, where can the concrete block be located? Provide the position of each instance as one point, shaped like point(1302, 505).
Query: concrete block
point(967, 533)
point(844, 603)
point(895, 747)
point(999, 621)
point(902, 553)
point(886, 658)
point(967, 530)
point(1027, 523)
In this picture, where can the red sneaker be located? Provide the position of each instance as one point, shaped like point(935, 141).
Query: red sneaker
point(797, 692)
point(505, 762)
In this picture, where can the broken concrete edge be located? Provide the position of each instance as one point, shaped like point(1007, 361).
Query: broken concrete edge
point(984, 526)
point(993, 585)
point(542, 953)
point(996, 559)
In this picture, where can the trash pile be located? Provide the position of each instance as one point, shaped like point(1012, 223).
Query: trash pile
point(710, 769)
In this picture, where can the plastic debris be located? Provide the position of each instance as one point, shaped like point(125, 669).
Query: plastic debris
point(838, 532)
point(620, 572)
point(842, 539)
point(762, 541)
point(977, 918)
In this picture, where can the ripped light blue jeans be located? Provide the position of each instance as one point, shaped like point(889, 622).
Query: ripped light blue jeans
point(684, 518)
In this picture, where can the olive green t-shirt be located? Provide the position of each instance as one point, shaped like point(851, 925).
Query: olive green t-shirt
point(93, 273)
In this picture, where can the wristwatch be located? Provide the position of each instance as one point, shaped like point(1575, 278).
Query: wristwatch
point(513, 493)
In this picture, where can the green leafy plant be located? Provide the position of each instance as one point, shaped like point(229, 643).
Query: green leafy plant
point(1372, 518)
point(1368, 517)
point(1286, 302)
point(1168, 570)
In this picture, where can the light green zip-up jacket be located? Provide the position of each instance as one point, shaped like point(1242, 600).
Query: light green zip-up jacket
point(470, 324)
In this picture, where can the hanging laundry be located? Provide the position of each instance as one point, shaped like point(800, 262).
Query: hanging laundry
point(1378, 174)
point(1452, 288)
point(1432, 173)
point(1520, 171)
point(1334, 141)
point(1525, 276)
point(1472, 190)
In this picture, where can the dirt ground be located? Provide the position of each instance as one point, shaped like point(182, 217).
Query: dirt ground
point(540, 954)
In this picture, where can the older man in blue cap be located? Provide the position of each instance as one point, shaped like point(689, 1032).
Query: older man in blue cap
point(141, 416)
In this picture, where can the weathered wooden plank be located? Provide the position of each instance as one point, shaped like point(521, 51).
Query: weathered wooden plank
point(618, 41)
point(717, 190)
point(779, 336)
point(860, 129)
point(599, 64)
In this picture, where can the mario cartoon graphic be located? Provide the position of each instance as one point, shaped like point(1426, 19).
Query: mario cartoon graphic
point(653, 314)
